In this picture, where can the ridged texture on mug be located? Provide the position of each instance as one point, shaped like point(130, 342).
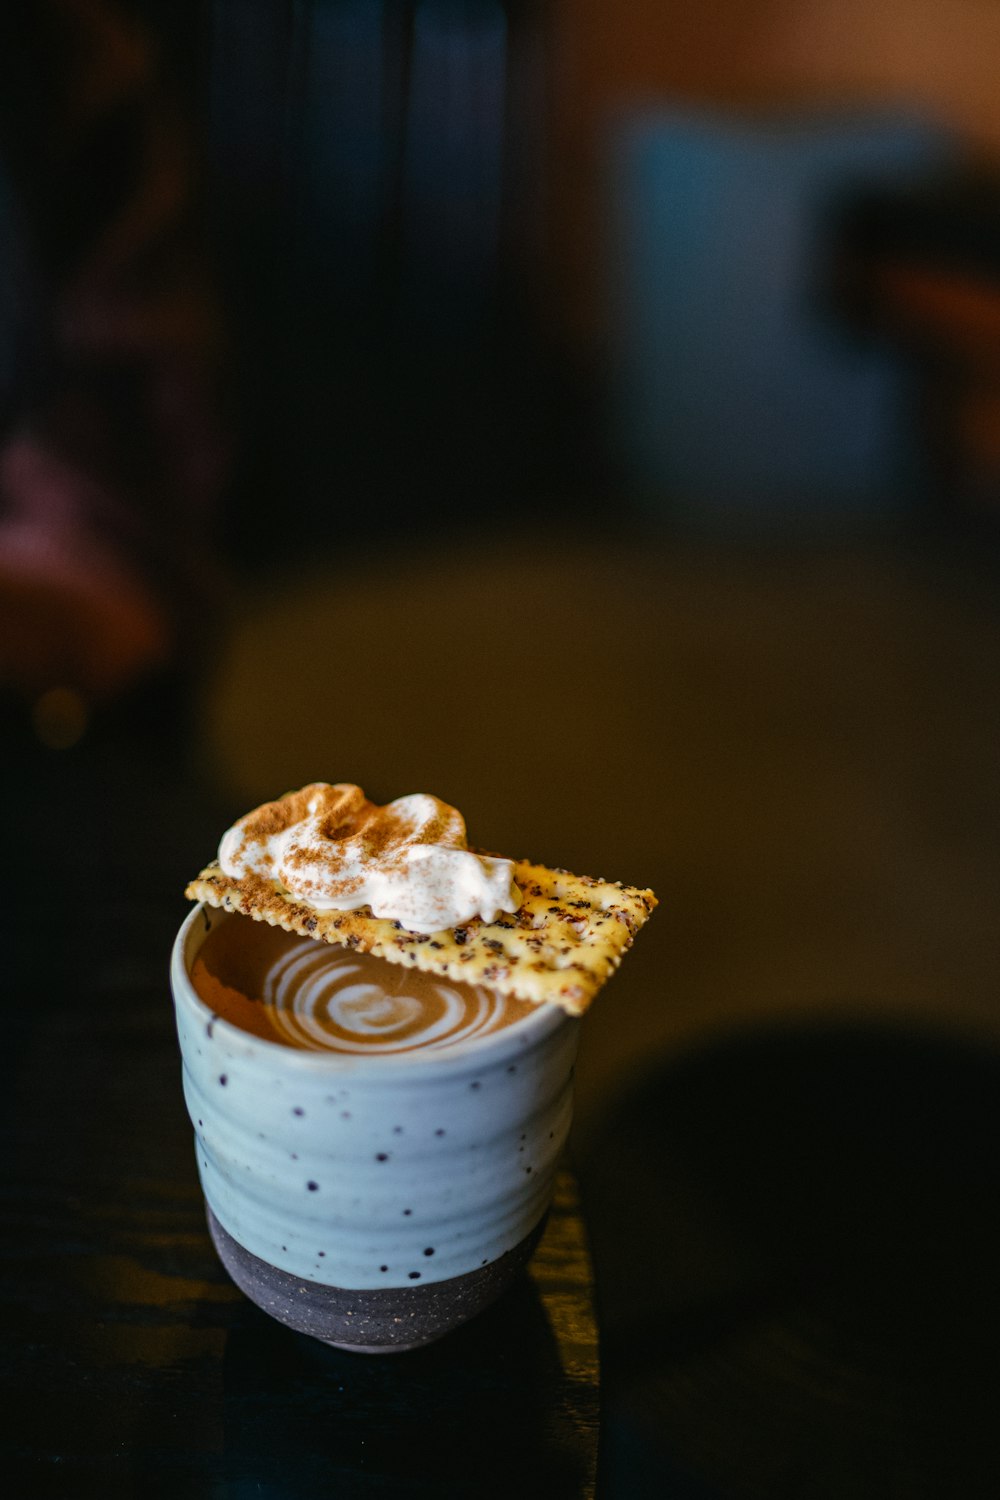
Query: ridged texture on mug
point(364, 1172)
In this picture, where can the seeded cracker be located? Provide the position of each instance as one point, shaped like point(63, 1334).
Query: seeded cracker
point(566, 939)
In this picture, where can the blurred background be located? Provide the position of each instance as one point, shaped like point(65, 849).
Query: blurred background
point(588, 414)
point(593, 419)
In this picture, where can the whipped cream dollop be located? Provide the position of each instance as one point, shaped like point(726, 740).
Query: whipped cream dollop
point(407, 861)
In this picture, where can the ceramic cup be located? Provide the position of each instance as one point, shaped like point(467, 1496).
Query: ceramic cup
point(372, 1202)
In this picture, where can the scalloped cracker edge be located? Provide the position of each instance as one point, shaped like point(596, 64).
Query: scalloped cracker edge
point(566, 939)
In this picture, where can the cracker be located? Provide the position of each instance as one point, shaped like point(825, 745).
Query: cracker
point(562, 944)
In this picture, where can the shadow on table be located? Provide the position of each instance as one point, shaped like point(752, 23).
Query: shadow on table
point(472, 1415)
point(796, 1238)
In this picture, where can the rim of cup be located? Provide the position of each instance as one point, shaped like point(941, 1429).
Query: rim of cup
point(518, 1036)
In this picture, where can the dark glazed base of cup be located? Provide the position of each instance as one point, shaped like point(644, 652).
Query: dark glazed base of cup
point(386, 1320)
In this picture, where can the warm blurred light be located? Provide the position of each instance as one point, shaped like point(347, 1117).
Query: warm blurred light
point(60, 717)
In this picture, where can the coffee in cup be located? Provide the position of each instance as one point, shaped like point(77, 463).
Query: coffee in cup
point(321, 998)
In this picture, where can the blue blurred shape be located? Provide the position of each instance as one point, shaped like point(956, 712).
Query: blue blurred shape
point(338, 147)
point(741, 399)
point(453, 173)
point(296, 96)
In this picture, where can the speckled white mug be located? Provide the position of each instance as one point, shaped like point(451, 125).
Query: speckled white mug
point(374, 1202)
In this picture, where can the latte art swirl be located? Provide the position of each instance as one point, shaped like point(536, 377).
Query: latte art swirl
point(318, 998)
point(322, 1000)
